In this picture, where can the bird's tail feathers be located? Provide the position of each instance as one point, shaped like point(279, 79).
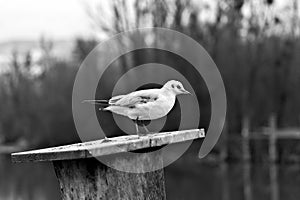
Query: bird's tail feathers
point(96, 102)
point(101, 104)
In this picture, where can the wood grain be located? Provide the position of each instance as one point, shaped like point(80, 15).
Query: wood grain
point(90, 179)
point(100, 148)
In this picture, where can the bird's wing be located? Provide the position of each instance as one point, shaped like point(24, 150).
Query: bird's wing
point(138, 97)
point(115, 99)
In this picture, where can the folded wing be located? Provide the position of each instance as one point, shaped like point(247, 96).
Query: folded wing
point(134, 98)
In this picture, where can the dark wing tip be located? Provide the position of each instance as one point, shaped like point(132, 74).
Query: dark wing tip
point(95, 101)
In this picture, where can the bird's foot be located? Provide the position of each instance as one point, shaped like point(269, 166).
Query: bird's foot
point(106, 139)
point(145, 133)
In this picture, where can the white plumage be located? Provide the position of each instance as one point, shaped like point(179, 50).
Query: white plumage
point(147, 104)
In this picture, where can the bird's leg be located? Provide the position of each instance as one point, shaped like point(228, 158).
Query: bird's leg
point(145, 127)
point(137, 126)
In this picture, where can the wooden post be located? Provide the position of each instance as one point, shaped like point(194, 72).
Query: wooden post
point(247, 181)
point(90, 179)
point(82, 176)
point(225, 183)
point(224, 165)
point(274, 189)
point(273, 158)
point(246, 158)
point(245, 139)
point(224, 144)
point(272, 139)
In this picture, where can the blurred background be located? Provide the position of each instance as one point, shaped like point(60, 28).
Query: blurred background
point(255, 44)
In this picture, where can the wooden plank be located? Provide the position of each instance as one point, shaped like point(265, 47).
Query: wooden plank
point(115, 145)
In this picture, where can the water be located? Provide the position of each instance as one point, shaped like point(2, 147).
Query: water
point(186, 180)
point(27, 181)
point(236, 181)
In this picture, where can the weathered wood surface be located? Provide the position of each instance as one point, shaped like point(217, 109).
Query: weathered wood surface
point(90, 179)
point(101, 148)
point(82, 176)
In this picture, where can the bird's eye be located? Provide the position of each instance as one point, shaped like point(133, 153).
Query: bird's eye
point(178, 86)
point(172, 85)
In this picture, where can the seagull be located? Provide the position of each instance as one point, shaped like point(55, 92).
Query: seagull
point(141, 105)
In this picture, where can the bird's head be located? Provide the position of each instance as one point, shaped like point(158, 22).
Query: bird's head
point(176, 87)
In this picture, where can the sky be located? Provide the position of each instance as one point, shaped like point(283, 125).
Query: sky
point(56, 19)
point(29, 19)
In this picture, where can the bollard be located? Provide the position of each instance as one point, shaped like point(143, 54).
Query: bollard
point(82, 176)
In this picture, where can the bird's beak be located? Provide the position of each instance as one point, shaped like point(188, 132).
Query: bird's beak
point(185, 91)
